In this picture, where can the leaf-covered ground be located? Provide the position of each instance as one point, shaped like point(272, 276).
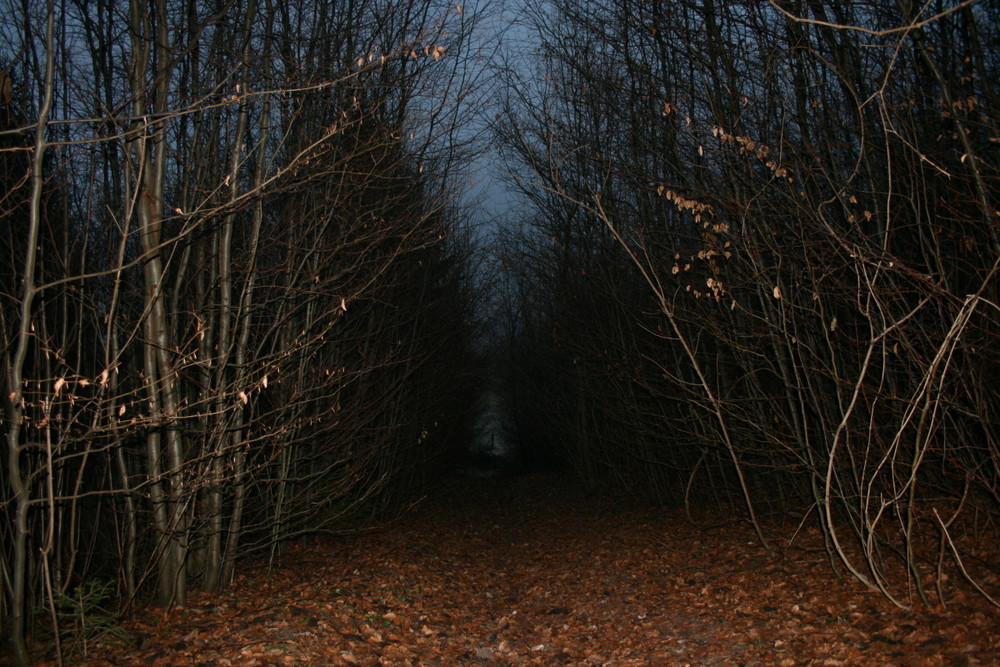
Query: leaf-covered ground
point(525, 571)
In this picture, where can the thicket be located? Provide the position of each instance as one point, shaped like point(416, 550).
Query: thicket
point(234, 307)
point(759, 269)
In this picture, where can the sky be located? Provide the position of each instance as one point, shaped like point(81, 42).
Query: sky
point(503, 39)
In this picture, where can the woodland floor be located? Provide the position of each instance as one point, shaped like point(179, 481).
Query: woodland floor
point(525, 571)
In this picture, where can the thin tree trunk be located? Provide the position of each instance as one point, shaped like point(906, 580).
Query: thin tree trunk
point(15, 408)
point(150, 148)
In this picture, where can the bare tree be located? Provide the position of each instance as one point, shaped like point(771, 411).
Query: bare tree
point(224, 323)
point(790, 199)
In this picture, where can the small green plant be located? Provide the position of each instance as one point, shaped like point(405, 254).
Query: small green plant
point(82, 618)
point(373, 619)
point(402, 593)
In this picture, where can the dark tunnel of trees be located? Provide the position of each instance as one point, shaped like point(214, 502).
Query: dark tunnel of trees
point(753, 273)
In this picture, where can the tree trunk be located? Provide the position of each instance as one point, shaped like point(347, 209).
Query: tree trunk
point(18, 478)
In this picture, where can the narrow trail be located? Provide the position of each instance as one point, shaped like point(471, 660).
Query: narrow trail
point(525, 570)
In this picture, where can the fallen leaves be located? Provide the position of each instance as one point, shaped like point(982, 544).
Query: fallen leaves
point(528, 571)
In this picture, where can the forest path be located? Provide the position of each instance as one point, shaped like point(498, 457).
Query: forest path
point(526, 570)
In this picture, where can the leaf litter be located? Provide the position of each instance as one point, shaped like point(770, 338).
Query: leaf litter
point(528, 570)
